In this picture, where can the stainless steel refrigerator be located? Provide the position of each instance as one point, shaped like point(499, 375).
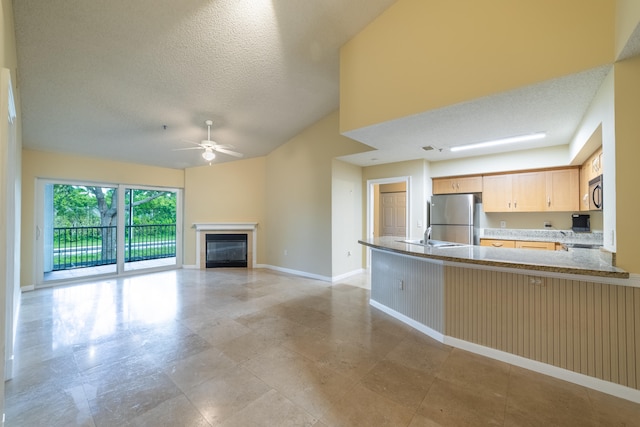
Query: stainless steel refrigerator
point(455, 218)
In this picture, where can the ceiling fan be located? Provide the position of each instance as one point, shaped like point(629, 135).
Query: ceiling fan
point(210, 146)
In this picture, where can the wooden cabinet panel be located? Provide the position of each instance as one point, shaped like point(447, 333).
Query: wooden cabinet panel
point(563, 190)
point(467, 184)
point(518, 244)
point(539, 191)
point(529, 190)
point(590, 169)
point(546, 246)
point(496, 194)
point(498, 243)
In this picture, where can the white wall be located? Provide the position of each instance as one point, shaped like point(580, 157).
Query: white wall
point(601, 111)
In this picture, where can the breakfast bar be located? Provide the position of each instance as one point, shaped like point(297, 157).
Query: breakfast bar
point(568, 314)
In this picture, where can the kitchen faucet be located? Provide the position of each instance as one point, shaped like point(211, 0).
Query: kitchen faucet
point(427, 235)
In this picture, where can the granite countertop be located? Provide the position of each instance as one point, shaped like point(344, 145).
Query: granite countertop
point(575, 261)
point(568, 237)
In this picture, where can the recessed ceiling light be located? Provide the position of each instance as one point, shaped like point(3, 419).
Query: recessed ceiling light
point(510, 140)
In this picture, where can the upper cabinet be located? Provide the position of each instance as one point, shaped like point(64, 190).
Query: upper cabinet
point(538, 191)
point(516, 192)
point(590, 169)
point(463, 184)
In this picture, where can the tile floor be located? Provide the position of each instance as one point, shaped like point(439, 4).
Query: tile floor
point(259, 348)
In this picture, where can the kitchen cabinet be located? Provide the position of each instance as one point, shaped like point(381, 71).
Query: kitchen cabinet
point(517, 192)
point(590, 169)
point(465, 184)
point(537, 191)
point(495, 243)
point(563, 190)
point(545, 246)
point(518, 244)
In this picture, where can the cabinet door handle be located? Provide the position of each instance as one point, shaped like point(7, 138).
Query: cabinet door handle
point(509, 204)
point(548, 201)
point(457, 186)
point(497, 245)
point(515, 204)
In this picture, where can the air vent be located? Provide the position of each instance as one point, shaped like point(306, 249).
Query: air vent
point(428, 148)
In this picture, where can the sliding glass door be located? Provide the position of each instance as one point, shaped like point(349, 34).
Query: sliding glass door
point(90, 229)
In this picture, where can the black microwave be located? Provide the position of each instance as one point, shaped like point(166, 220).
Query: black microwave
point(595, 194)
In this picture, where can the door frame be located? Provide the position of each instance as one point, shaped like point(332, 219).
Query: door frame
point(371, 192)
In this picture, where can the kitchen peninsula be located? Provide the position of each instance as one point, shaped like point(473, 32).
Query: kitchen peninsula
point(568, 314)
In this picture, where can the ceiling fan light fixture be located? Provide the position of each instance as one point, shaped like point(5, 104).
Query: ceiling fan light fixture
point(510, 140)
point(208, 154)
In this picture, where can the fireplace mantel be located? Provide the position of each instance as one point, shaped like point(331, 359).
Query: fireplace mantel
point(225, 226)
point(248, 228)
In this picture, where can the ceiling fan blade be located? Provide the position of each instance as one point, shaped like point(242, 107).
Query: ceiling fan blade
point(228, 152)
point(188, 148)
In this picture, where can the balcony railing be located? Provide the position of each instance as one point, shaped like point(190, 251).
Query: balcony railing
point(75, 247)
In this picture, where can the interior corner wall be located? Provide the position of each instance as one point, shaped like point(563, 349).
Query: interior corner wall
point(299, 198)
point(627, 153)
point(346, 218)
point(40, 164)
point(226, 192)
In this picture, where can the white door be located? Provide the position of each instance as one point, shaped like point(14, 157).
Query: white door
point(393, 214)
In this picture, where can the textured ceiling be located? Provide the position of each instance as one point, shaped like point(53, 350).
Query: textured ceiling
point(555, 107)
point(103, 78)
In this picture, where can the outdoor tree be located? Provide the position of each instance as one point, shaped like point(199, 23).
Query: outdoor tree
point(107, 204)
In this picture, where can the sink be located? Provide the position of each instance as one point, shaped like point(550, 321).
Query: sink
point(433, 243)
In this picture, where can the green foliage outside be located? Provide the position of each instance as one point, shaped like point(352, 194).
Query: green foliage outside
point(151, 215)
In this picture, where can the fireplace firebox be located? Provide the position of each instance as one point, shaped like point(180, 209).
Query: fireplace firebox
point(226, 250)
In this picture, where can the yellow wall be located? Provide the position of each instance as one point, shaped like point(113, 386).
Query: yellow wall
point(40, 164)
point(627, 155)
point(425, 54)
point(299, 197)
point(226, 192)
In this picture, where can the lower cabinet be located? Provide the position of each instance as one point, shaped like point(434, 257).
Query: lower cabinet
point(520, 244)
point(498, 243)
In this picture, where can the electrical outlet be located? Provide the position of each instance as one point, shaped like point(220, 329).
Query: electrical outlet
point(419, 224)
point(503, 224)
point(401, 285)
point(286, 252)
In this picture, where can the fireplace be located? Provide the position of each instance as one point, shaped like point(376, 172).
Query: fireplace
point(226, 250)
point(248, 230)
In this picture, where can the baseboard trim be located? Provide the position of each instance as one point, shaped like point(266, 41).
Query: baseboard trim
point(347, 275)
point(597, 384)
point(295, 272)
point(28, 288)
point(409, 321)
point(613, 389)
point(190, 267)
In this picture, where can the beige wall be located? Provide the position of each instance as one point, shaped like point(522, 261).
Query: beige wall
point(627, 157)
point(346, 218)
point(40, 164)
point(421, 55)
point(299, 197)
point(226, 192)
